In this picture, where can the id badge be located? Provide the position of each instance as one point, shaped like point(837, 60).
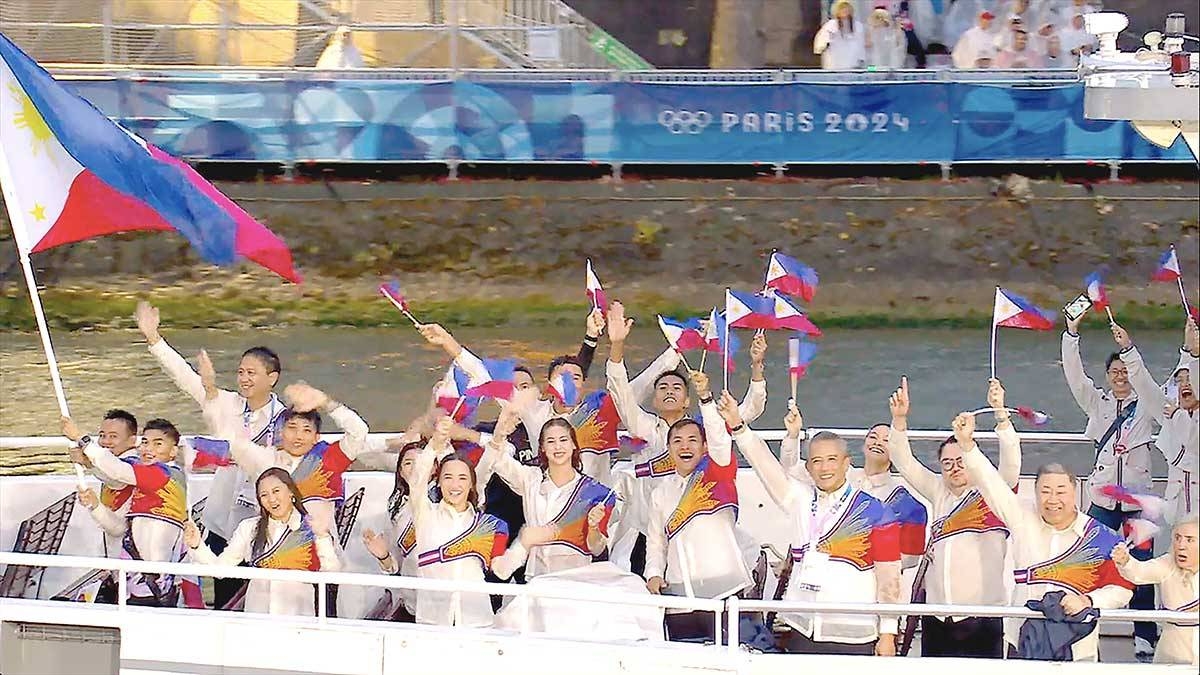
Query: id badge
point(811, 570)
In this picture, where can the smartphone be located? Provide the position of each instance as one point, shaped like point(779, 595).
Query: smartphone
point(1077, 307)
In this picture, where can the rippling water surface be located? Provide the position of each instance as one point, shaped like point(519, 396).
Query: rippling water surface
point(386, 375)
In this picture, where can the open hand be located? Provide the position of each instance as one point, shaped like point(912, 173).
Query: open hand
point(304, 397)
point(375, 543)
point(146, 316)
point(618, 325)
point(208, 374)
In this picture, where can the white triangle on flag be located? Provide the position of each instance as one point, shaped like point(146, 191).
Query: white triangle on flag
point(1004, 308)
point(774, 269)
point(734, 309)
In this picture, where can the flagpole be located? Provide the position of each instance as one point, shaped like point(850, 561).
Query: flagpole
point(1111, 320)
point(403, 310)
point(993, 349)
point(1183, 297)
point(725, 354)
point(702, 355)
point(15, 216)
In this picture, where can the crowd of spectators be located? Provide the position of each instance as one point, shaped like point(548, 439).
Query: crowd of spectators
point(1009, 34)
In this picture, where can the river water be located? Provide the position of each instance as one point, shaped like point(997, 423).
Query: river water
point(386, 375)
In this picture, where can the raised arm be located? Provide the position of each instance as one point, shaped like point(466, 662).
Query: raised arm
point(755, 401)
point(172, 363)
point(995, 490)
point(104, 461)
point(303, 398)
point(1010, 442)
point(639, 422)
point(772, 474)
point(789, 447)
point(720, 445)
point(498, 453)
point(419, 492)
point(642, 384)
point(1142, 571)
point(1086, 394)
point(587, 349)
point(251, 458)
point(900, 451)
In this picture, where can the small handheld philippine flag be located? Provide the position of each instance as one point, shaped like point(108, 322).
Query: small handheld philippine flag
point(392, 292)
point(788, 275)
point(683, 336)
point(1168, 267)
point(595, 292)
point(1035, 417)
point(800, 353)
point(562, 387)
point(1096, 291)
point(1013, 311)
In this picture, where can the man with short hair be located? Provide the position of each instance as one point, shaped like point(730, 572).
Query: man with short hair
point(1054, 547)
point(1178, 581)
point(967, 542)
point(1018, 54)
point(158, 504)
point(845, 544)
point(1120, 426)
point(118, 434)
point(1179, 434)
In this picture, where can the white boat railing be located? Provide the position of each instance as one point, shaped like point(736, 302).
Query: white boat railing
point(730, 608)
point(15, 442)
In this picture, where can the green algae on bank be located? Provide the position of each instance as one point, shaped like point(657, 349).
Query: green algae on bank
point(96, 309)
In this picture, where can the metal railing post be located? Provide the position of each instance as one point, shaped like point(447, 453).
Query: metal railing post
point(122, 588)
point(452, 6)
point(733, 615)
point(322, 602)
point(106, 38)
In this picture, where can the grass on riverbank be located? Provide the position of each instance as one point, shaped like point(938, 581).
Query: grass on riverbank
point(89, 309)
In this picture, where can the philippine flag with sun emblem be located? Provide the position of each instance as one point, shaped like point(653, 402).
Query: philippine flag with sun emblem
point(69, 173)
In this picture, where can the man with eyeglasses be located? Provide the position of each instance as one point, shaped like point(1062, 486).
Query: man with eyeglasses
point(1120, 427)
point(964, 559)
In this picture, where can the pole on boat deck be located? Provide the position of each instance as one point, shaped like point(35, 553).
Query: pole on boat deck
point(17, 217)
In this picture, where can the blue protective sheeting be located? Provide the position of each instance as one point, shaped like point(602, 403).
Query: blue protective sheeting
point(632, 122)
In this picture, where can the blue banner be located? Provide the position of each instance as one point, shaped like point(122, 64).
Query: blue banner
point(606, 122)
point(784, 123)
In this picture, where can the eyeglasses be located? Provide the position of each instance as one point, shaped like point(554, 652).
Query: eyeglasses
point(949, 464)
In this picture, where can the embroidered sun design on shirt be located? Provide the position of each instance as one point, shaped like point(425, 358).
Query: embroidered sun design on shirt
point(29, 118)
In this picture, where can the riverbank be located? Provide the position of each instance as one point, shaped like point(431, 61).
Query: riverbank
point(891, 253)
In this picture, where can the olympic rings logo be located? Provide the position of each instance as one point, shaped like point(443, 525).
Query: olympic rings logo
point(684, 121)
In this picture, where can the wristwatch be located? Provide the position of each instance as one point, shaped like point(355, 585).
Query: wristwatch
point(83, 442)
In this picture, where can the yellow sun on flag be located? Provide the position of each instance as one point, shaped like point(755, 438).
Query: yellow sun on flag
point(29, 118)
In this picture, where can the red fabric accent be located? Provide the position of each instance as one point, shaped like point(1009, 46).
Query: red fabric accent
point(93, 209)
point(885, 543)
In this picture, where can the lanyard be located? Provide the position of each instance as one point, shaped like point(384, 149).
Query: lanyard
point(816, 528)
point(270, 428)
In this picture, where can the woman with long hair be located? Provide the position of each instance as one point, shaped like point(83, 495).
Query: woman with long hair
point(282, 536)
point(842, 41)
point(395, 553)
point(556, 495)
point(455, 540)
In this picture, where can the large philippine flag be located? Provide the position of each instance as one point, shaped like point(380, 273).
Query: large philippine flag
point(1013, 311)
point(70, 174)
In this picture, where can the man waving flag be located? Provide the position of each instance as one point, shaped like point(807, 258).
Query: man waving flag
point(70, 174)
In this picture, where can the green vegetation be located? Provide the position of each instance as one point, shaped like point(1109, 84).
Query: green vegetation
point(79, 309)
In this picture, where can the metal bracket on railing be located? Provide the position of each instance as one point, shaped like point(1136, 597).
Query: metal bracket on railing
point(1114, 170)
